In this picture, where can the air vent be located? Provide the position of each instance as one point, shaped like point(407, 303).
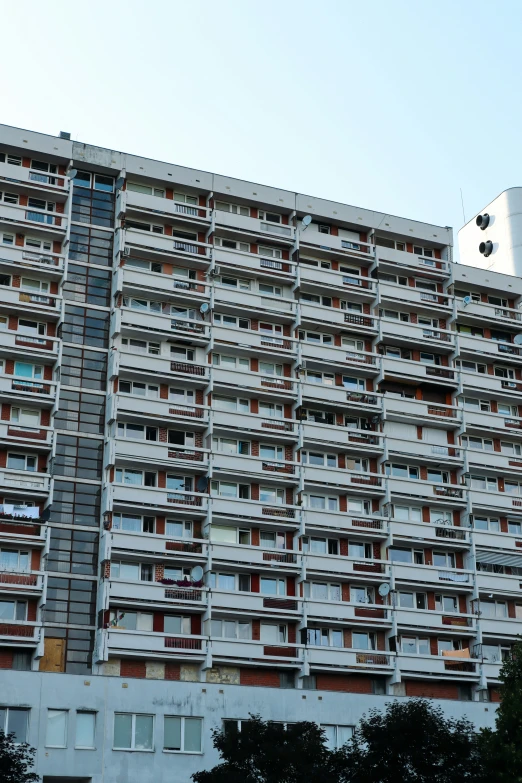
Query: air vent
point(482, 221)
point(486, 248)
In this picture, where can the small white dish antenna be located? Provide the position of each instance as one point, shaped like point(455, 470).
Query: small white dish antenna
point(517, 339)
point(384, 590)
point(204, 308)
point(305, 222)
point(72, 173)
point(466, 301)
point(196, 573)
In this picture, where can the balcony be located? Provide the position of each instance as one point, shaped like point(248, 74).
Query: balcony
point(493, 460)
point(230, 261)
point(437, 269)
point(418, 450)
point(171, 288)
point(421, 412)
point(263, 305)
point(155, 411)
point(319, 316)
point(364, 362)
point(358, 287)
point(461, 669)
point(491, 386)
point(238, 509)
point(339, 659)
point(157, 367)
point(155, 595)
point(443, 578)
point(256, 604)
point(505, 628)
point(489, 349)
point(415, 297)
point(401, 333)
point(50, 183)
point(258, 468)
point(256, 342)
point(348, 613)
point(26, 436)
point(284, 560)
point(236, 651)
point(418, 371)
point(428, 620)
point(496, 502)
point(329, 246)
point(153, 546)
point(484, 422)
point(259, 229)
point(31, 483)
point(276, 429)
point(21, 583)
point(340, 566)
point(18, 388)
point(27, 303)
point(16, 633)
point(28, 217)
point(339, 395)
point(159, 246)
point(483, 312)
point(363, 442)
point(149, 325)
point(129, 200)
point(444, 493)
point(154, 499)
point(353, 481)
point(441, 535)
point(123, 643)
point(49, 263)
point(22, 532)
point(147, 453)
point(501, 585)
point(373, 527)
point(30, 346)
point(269, 385)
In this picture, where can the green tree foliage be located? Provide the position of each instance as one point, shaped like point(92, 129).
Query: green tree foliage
point(267, 752)
point(15, 761)
point(502, 748)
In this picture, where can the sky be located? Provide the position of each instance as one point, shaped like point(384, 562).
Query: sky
point(392, 105)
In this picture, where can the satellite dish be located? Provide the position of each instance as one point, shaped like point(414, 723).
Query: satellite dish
point(120, 182)
point(196, 574)
point(204, 308)
point(306, 220)
point(73, 173)
point(517, 339)
point(466, 301)
point(201, 483)
point(384, 590)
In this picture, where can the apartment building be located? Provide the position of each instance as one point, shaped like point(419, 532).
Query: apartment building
point(249, 438)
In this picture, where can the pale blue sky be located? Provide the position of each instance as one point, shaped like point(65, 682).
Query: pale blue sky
point(392, 105)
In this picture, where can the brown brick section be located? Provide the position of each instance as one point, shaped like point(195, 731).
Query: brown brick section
point(172, 671)
point(130, 668)
point(432, 690)
point(6, 659)
point(265, 678)
point(344, 682)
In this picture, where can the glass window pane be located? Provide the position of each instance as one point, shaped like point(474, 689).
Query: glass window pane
point(122, 730)
point(56, 728)
point(172, 733)
point(143, 740)
point(193, 734)
point(85, 722)
point(17, 723)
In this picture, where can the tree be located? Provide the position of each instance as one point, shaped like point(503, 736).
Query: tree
point(15, 761)
point(502, 748)
point(411, 742)
point(267, 752)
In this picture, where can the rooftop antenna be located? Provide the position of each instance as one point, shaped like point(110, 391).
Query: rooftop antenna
point(462, 202)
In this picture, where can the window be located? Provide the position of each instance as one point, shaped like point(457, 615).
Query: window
point(486, 483)
point(14, 160)
point(492, 609)
point(361, 595)
point(23, 370)
point(140, 263)
point(147, 190)
point(231, 446)
point(324, 637)
point(444, 559)
point(232, 582)
point(136, 478)
point(21, 462)
point(182, 734)
point(232, 321)
point(14, 721)
point(230, 629)
point(137, 431)
point(401, 471)
point(268, 368)
point(9, 198)
point(13, 610)
point(482, 444)
point(132, 571)
point(133, 732)
point(412, 600)
point(178, 529)
point(319, 458)
point(133, 523)
point(323, 591)
point(56, 736)
point(468, 366)
point(174, 623)
point(272, 586)
point(85, 729)
point(7, 239)
point(270, 290)
point(270, 410)
point(270, 217)
point(139, 389)
point(271, 495)
point(515, 528)
point(364, 641)
point(228, 489)
point(337, 736)
point(243, 284)
point(273, 634)
point(415, 645)
point(322, 502)
point(446, 603)
point(269, 252)
point(131, 621)
point(230, 404)
point(407, 513)
point(231, 244)
point(235, 209)
point(14, 560)
point(230, 362)
point(360, 550)
point(513, 449)
point(273, 540)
